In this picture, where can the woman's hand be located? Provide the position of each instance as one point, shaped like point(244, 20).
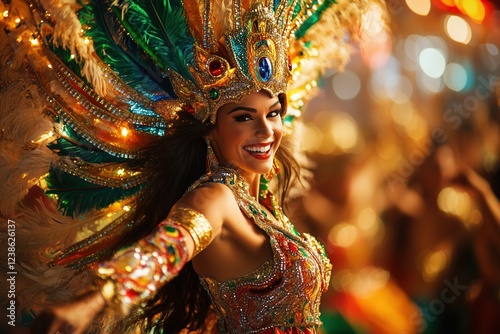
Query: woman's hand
point(73, 317)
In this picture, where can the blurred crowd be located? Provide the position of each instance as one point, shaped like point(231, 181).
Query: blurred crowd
point(405, 144)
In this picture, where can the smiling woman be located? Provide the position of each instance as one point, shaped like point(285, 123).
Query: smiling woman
point(248, 134)
point(159, 125)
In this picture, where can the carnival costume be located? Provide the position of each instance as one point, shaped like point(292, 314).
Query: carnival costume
point(87, 85)
point(283, 295)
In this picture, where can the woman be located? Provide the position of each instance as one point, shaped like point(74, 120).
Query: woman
point(218, 81)
point(234, 250)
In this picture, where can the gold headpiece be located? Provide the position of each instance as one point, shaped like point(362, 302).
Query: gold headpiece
point(255, 59)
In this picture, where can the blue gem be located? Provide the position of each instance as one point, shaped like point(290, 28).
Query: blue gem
point(265, 68)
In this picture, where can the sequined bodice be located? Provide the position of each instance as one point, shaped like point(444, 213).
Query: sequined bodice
point(285, 291)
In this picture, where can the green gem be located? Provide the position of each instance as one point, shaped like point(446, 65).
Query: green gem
point(169, 229)
point(253, 209)
point(214, 94)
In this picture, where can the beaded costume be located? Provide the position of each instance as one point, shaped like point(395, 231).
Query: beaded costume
point(282, 295)
point(86, 86)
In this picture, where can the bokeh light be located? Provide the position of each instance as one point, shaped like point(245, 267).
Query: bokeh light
point(346, 85)
point(345, 133)
point(459, 204)
point(492, 49)
point(402, 92)
point(473, 8)
point(376, 49)
point(343, 235)
point(489, 56)
point(458, 29)
point(434, 263)
point(455, 77)
point(429, 85)
point(420, 7)
point(385, 79)
point(432, 62)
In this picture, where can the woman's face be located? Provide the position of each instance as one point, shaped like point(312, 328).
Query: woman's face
point(247, 135)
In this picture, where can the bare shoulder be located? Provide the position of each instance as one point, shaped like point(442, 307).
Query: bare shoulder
point(214, 200)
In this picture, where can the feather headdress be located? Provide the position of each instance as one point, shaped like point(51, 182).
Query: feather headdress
point(87, 85)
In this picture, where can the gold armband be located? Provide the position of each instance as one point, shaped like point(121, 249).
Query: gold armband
point(195, 223)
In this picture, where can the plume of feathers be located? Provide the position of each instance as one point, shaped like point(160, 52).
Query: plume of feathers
point(115, 47)
point(77, 196)
point(24, 157)
point(149, 21)
point(67, 34)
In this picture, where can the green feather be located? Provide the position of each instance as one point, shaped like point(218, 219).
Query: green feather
point(74, 145)
point(161, 29)
point(313, 19)
point(77, 196)
point(65, 56)
point(88, 153)
point(124, 58)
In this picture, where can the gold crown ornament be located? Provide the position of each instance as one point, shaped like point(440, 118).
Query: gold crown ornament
point(250, 57)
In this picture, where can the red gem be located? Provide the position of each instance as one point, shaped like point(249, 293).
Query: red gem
point(292, 248)
point(215, 67)
point(131, 294)
point(189, 109)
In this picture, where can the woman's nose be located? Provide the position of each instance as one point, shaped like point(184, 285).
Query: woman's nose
point(264, 128)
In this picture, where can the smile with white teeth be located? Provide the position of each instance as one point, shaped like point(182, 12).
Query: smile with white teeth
point(258, 149)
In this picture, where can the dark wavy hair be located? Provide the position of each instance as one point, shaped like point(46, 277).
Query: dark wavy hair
point(171, 165)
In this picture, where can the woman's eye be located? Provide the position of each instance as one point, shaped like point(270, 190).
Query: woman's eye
point(242, 118)
point(274, 113)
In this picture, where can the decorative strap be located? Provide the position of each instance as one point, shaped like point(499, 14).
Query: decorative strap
point(135, 273)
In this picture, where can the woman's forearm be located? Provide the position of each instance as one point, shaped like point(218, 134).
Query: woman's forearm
point(136, 272)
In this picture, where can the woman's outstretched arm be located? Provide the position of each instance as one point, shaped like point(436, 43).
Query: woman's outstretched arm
point(135, 273)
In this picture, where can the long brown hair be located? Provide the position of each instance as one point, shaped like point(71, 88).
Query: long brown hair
point(171, 165)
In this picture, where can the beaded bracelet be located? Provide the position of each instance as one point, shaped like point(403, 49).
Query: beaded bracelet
point(135, 273)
